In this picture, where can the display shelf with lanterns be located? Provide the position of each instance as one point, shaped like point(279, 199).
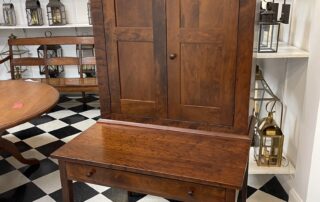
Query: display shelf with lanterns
point(284, 51)
point(285, 169)
point(47, 14)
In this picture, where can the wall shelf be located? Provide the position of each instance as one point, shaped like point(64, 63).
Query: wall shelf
point(284, 51)
point(254, 169)
point(45, 27)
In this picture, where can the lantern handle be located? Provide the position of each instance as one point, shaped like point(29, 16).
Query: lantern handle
point(272, 108)
point(48, 34)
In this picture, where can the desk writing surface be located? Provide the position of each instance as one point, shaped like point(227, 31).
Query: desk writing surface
point(199, 158)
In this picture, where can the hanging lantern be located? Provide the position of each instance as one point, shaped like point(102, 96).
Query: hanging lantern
point(50, 51)
point(268, 142)
point(9, 14)
point(84, 51)
point(34, 13)
point(89, 12)
point(56, 13)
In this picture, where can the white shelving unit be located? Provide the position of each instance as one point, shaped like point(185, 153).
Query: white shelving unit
point(45, 27)
point(254, 169)
point(284, 51)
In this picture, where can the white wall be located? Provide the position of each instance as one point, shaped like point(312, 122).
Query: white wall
point(76, 14)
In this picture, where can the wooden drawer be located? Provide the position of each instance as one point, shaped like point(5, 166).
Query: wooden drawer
point(169, 188)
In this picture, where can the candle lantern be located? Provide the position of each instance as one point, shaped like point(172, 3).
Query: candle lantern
point(9, 14)
point(34, 13)
point(269, 37)
point(268, 142)
point(84, 51)
point(50, 51)
point(89, 12)
point(56, 13)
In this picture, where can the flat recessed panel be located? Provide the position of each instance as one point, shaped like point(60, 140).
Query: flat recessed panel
point(133, 13)
point(206, 14)
point(137, 71)
point(201, 66)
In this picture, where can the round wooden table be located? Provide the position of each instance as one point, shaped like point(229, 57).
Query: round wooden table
point(21, 101)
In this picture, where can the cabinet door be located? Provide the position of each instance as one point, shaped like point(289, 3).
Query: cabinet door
point(133, 53)
point(202, 47)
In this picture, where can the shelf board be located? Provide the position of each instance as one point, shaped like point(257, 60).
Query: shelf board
point(45, 27)
point(254, 169)
point(284, 51)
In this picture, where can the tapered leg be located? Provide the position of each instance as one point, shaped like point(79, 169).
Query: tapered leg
point(8, 146)
point(67, 189)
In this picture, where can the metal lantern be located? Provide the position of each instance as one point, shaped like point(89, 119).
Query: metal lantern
point(34, 13)
point(268, 142)
point(56, 13)
point(269, 37)
point(9, 14)
point(84, 51)
point(89, 12)
point(50, 51)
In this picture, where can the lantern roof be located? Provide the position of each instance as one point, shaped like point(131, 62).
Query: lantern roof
point(32, 4)
point(54, 3)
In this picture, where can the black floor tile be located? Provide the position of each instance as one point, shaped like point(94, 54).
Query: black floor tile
point(49, 148)
point(46, 166)
point(274, 188)
point(89, 98)
point(56, 108)
point(81, 108)
point(73, 119)
point(27, 133)
point(84, 192)
point(25, 193)
point(64, 98)
point(5, 167)
point(41, 120)
point(97, 118)
point(65, 132)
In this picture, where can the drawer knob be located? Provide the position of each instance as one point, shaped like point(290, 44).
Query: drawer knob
point(172, 56)
point(190, 193)
point(90, 173)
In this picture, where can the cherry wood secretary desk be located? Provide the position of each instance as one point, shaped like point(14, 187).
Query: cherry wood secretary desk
point(176, 72)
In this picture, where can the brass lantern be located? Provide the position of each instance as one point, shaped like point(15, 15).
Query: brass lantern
point(268, 142)
point(34, 13)
point(89, 12)
point(9, 14)
point(50, 51)
point(56, 13)
point(84, 51)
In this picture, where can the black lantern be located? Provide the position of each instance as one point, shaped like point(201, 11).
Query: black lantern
point(9, 15)
point(56, 13)
point(34, 13)
point(269, 37)
point(89, 12)
point(50, 51)
point(84, 51)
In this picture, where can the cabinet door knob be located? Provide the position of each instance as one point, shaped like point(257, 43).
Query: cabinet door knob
point(190, 193)
point(90, 173)
point(173, 56)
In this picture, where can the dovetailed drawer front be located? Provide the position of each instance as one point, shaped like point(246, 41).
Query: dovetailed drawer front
point(169, 188)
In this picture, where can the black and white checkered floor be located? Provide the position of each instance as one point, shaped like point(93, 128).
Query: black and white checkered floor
point(40, 137)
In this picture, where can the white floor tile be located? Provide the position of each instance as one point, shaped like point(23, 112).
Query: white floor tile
point(54, 160)
point(99, 198)
point(98, 188)
point(20, 127)
point(52, 125)
point(49, 183)
point(12, 180)
point(61, 114)
point(260, 196)
point(32, 153)
point(94, 104)
point(257, 181)
point(91, 113)
point(84, 125)
point(150, 198)
point(45, 199)
point(40, 140)
point(11, 138)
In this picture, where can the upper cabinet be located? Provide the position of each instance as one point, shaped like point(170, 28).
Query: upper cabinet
point(176, 62)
